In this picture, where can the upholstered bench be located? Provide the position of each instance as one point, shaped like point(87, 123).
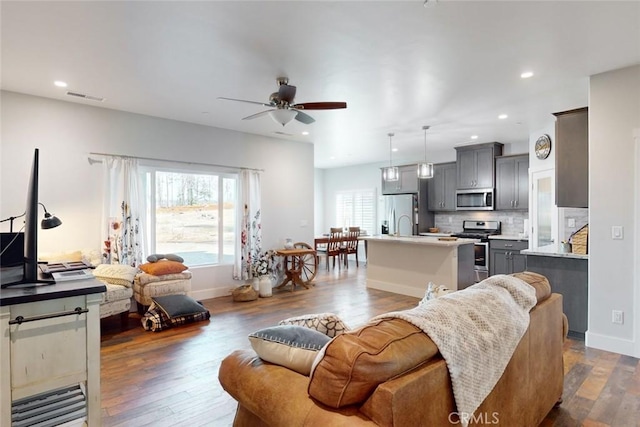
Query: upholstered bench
point(119, 282)
point(147, 286)
point(117, 300)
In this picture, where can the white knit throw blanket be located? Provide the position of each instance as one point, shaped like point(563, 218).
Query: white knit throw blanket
point(477, 331)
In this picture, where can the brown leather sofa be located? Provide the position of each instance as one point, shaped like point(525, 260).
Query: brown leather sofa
point(420, 395)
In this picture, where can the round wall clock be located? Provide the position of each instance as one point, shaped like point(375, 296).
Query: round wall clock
point(543, 147)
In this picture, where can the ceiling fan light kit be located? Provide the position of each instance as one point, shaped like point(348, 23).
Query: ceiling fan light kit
point(390, 173)
point(284, 110)
point(282, 116)
point(425, 170)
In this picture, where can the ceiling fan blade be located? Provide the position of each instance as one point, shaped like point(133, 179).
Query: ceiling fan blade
point(254, 116)
point(286, 93)
point(244, 100)
point(320, 105)
point(304, 118)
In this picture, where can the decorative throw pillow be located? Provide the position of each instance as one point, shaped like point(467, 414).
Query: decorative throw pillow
point(178, 305)
point(115, 274)
point(163, 267)
point(294, 347)
point(326, 323)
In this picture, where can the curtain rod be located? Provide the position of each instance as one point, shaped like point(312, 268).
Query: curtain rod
point(91, 161)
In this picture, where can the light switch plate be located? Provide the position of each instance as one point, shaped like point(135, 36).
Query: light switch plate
point(571, 222)
point(617, 232)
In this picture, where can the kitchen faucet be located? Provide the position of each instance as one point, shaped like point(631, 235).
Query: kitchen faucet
point(398, 225)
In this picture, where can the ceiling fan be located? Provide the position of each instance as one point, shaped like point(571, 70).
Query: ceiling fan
point(284, 110)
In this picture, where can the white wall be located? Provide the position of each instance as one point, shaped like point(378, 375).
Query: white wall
point(614, 113)
point(70, 187)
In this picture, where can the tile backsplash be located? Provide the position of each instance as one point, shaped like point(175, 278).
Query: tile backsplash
point(512, 223)
point(572, 220)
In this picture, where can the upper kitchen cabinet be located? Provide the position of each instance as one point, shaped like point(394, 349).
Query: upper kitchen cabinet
point(512, 182)
point(476, 165)
point(572, 158)
point(442, 188)
point(407, 182)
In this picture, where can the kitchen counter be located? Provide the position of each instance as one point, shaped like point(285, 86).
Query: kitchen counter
point(552, 251)
point(406, 265)
point(509, 237)
point(422, 240)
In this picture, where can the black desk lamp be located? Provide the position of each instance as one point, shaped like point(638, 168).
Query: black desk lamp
point(49, 220)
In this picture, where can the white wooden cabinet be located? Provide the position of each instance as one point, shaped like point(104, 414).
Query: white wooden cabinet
point(49, 350)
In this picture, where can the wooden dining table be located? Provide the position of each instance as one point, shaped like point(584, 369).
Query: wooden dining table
point(293, 265)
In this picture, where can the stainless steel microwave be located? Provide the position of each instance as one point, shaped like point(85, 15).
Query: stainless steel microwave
point(477, 199)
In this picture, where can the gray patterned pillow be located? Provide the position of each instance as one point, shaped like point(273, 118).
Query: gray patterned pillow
point(327, 323)
point(291, 346)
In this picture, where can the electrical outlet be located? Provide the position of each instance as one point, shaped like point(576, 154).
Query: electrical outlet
point(617, 316)
point(510, 220)
point(450, 220)
point(571, 222)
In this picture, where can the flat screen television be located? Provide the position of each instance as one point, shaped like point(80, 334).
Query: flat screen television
point(31, 274)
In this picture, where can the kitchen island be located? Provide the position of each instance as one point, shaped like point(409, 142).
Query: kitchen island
point(406, 265)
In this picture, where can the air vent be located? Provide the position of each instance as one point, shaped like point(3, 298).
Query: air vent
point(282, 133)
point(85, 96)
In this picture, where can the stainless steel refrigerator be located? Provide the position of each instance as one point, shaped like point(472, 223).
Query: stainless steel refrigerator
point(397, 206)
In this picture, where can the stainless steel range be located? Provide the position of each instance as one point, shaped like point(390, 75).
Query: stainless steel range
point(480, 230)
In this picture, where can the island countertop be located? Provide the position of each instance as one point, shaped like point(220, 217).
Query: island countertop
point(26, 294)
point(421, 240)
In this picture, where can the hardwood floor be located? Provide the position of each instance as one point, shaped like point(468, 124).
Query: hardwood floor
point(169, 378)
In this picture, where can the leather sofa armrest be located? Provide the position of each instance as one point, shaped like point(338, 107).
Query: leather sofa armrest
point(277, 395)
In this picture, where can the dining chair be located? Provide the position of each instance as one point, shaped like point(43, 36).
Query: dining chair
point(333, 248)
point(351, 245)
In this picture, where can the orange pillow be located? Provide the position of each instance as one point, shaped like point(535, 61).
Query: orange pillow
point(163, 267)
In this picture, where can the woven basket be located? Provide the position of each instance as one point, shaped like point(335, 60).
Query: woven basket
point(244, 293)
point(579, 241)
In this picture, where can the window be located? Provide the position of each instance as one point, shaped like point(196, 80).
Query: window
point(192, 213)
point(356, 209)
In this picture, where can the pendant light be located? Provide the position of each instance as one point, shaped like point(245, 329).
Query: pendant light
point(425, 170)
point(390, 173)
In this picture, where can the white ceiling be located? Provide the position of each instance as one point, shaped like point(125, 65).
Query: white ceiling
point(453, 65)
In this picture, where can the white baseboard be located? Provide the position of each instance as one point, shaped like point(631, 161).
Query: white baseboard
point(613, 344)
point(211, 293)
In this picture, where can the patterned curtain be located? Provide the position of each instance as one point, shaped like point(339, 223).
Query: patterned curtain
point(123, 212)
point(249, 243)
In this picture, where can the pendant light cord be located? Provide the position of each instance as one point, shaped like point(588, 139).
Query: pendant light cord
point(425, 142)
point(390, 149)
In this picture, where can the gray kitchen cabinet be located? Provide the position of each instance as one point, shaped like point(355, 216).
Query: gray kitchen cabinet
point(407, 182)
point(442, 188)
point(572, 158)
point(476, 165)
point(505, 256)
point(512, 182)
point(568, 277)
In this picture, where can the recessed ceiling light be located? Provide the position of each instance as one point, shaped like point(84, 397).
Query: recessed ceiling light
point(394, 149)
point(332, 158)
point(474, 136)
point(305, 133)
point(526, 74)
point(60, 83)
point(502, 116)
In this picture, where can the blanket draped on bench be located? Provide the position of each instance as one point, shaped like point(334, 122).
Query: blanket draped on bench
point(476, 331)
